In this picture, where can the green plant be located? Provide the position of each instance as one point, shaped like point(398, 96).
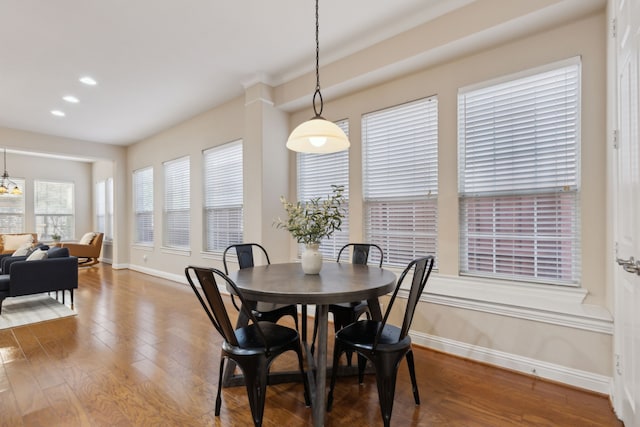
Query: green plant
point(55, 236)
point(313, 220)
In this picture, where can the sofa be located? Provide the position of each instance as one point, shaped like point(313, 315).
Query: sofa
point(27, 275)
point(10, 242)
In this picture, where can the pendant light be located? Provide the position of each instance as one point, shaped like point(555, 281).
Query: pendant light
point(7, 186)
point(317, 135)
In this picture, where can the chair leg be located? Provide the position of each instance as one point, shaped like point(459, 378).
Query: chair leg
point(386, 372)
point(412, 374)
point(362, 365)
point(256, 378)
point(337, 351)
point(218, 397)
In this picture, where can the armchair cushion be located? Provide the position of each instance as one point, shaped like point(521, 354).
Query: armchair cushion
point(37, 255)
point(87, 238)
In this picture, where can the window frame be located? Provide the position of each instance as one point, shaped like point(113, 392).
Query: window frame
point(509, 185)
point(48, 226)
point(145, 177)
point(395, 208)
point(228, 161)
point(177, 203)
point(20, 200)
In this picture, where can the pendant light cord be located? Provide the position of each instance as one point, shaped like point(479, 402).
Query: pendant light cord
point(317, 92)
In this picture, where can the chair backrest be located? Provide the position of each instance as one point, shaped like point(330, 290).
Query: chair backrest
point(360, 252)
point(244, 253)
point(421, 271)
point(214, 305)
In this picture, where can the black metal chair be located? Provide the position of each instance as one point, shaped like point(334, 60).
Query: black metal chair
point(252, 347)
point(263, 311)
point(346, 313)
point(383, 344)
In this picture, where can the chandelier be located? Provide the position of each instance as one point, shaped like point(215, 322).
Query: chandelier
point(317, 135)
point(7, 186)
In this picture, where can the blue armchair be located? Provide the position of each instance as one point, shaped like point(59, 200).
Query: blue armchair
point(58, 272)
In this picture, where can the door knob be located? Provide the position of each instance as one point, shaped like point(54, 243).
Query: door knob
point(630, 265)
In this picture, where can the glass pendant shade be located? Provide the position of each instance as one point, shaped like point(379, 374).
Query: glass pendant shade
point(7, 186)
point(318, 136)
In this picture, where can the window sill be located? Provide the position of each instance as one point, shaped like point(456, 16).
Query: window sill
point(141, 247)
point(176, 251)
point(557, 305)
point(217, 256)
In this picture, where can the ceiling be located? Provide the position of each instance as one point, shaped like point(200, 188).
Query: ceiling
point(159, 62)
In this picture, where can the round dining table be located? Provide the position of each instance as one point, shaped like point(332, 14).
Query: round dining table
point(336, 283)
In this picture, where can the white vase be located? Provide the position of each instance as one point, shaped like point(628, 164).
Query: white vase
point(311, 259)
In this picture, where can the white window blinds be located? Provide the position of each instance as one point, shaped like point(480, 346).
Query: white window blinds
point(400, 162)
point(100, 198)
point(143, 205)
point(177, 200)
point(54, 209)
point(108, 233)
point(12, 210)
point(519, 176)
point(316, 174)
point(223, 196)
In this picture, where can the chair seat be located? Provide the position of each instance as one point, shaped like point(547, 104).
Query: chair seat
point(278, 337)
point(362, 334)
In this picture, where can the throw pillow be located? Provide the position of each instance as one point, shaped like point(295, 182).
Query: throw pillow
point(37, 246)
point(37, 255)
point(13, 242)
point(23, 250)
point(87, 238)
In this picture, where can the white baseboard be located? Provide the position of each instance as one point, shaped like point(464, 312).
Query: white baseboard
point(180, 278)
point(550, 371)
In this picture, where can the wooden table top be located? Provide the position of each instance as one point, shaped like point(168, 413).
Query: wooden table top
point(336, 283)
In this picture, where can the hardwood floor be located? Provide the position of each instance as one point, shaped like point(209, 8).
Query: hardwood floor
point(141, 352)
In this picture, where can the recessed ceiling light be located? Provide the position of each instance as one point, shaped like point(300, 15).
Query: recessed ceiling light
point(70, 98)
point(58, 113)
point(88, 81)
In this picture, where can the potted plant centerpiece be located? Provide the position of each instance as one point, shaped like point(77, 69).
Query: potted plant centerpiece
point(311, 221)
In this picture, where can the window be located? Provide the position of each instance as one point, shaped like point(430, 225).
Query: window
point(400, 172)
point(177, 199)
point(143, 206)
point(108, 233)
point(223, 196)
point(101, 206)
point(54, 209)
point(12, 210)
point(316, 174)
point(518, 176)
point(104, 208)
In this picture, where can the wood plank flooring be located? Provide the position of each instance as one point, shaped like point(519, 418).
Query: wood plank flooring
point(141, 352)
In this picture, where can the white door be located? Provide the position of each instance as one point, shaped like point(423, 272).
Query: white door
point(627, 215)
